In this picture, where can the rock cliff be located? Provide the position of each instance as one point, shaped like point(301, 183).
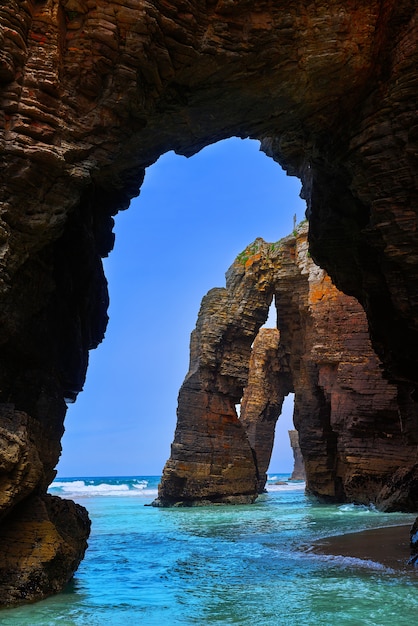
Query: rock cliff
point(355, 435)
point(211, 457)
point(93, 91)
point(42, 542)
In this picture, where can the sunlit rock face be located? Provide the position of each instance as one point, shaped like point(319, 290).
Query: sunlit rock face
point(211, 457)
point(355, 435)
point(93, 91)
point(354, 425)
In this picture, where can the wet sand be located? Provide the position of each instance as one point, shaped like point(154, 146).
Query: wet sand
point(388, 546)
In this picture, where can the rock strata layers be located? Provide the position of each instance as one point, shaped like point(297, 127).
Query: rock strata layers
point(269, 381)
point(42, 543)
point(92, 92)
point(211, 457)
point(355, 435)
point(299, 466)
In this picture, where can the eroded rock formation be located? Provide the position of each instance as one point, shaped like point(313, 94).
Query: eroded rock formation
point(42, 542)
point(355, 432)
point(299, 466)
point(93, 91)
point(211, 457)
point(269, 381)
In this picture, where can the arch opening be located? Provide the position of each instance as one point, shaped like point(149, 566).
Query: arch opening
point(174, 243)
point(80, 125)
point(282, 458)
point(272, 318)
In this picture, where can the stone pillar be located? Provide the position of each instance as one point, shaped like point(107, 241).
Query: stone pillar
point(298, 466)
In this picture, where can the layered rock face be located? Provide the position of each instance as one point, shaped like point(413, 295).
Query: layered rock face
point(42, 543)
point(354, 426)
point(93, 91)
point(299, 465)
point(269, 381)
point(355, 435)
point(211, 457)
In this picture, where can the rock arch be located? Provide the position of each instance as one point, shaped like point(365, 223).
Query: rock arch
point(354, 429)
point(92, 92)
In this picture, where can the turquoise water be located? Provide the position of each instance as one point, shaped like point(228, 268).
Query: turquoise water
point(247, 565)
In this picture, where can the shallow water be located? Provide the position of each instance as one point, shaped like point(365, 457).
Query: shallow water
point(246, 565)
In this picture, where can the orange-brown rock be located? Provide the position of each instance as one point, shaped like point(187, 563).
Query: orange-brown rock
point(93, 91)
point(354, 432)
point(354, 426)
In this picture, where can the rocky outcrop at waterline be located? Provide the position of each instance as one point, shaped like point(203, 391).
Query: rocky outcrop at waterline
point(353, 425)
point(42, 543)
point(414, 544)
point(92, 93)
point(42, 538)
point(268, 383)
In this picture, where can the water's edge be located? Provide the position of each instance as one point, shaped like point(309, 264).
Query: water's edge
point(261, 564)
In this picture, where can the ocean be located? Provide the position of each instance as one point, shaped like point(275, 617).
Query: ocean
point(247, 565)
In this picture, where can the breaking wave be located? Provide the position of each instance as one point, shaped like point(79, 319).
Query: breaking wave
point(105, 486)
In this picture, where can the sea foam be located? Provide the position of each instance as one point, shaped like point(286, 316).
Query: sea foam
point(102, 487)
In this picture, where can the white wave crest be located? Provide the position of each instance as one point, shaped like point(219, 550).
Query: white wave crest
point(81, 488)
point(351, 561)
point(357, 508)
point(141, 485)
point(76, 484)
point(342, 561)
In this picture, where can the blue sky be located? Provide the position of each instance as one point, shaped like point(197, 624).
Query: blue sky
point(173, 244)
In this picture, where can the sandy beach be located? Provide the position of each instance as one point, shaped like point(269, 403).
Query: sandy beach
point(388, 546)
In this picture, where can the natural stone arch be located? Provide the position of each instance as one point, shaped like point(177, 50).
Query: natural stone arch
point(92, 92)
point(321, 352)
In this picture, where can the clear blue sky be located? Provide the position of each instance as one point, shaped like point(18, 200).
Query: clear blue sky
point(173, 244)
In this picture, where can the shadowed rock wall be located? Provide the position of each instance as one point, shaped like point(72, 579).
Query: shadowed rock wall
point(93, 91)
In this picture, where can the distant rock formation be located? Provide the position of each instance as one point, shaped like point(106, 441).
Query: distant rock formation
point(269, 381)
point(354, 426)
point(298, 466)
